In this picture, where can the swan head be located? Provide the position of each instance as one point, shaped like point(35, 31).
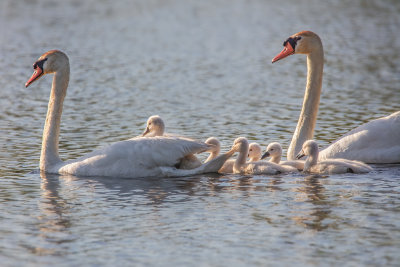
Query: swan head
point(309, 148)
point(50, 62)
point(255, 151)
point(240, 144)
point(155, 126)
point(304, 42)
point(273, 150)
point(216, 145)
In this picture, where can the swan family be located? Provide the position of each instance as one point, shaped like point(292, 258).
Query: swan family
point(136, 157)
point(377, 141)
point(156, 153)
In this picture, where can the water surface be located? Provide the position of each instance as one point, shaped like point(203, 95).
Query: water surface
point(204, 66)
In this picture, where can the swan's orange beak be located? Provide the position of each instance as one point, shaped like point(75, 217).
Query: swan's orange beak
point(36, 74)
point(38, 71)
point(287, 51)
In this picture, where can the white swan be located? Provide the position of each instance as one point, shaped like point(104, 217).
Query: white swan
point(138, 157)
point(241, 145)
point(228, 165)
point(377, 141)
point(329, 166)
point(154, 127)
point(255, 152)
point(214, 151)
point(213, 157)
point(274, 150)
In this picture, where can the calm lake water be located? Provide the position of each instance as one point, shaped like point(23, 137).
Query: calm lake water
point(205, 67)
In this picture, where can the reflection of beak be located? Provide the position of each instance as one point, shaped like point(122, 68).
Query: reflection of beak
point(266, 154)
point(146, 131)
point(287, 51)
point(36, 75)
point(300, 155)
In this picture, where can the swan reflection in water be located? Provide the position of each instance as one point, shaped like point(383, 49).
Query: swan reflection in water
point(313, 192)
point(67, 200)
point(54, 219)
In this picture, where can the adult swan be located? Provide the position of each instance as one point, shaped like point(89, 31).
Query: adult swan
point(139, 157)
point(377, 141)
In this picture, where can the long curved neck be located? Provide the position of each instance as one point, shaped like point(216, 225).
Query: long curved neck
point(212, 156)
point(311, 161)
point(308, 116)
point(242, 157)
point(49, 155)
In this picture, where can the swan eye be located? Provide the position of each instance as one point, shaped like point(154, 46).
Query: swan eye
point(292, 41)
point(39, 64)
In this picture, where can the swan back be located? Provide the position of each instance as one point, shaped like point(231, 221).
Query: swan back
point(138, 157)
point(377, 141)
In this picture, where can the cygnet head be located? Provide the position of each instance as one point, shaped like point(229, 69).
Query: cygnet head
point(240, 144)
point(309, 148)
point(50, 62)
point(254, 152)
point(155, 127)
point(273, 150)
point(304, 42)
point(216, 144)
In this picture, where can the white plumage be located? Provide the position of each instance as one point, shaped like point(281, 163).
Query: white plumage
point(329, 166)
point(137, 157)
point(377, 141)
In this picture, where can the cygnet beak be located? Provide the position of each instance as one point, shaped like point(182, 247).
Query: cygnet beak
point(300, 155)
point(146, 131)
point(265, 155)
